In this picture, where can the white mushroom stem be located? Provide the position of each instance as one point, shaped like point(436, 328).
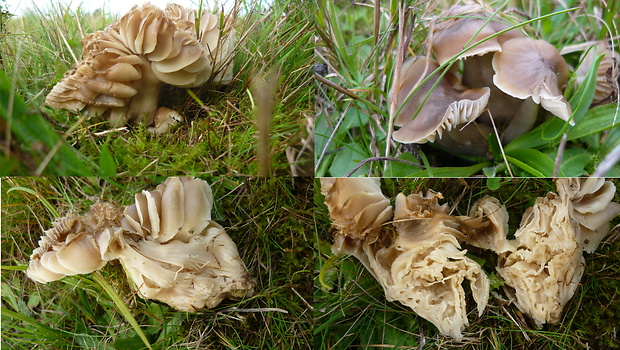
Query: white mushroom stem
point(144, 104)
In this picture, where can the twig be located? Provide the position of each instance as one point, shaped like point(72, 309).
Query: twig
point(376, 159)
point(400, 57)
point(335, 86)
point(266, 309)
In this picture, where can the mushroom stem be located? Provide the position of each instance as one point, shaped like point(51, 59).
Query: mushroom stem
point(144, 104)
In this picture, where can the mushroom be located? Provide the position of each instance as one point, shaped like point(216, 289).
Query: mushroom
point(606, 74)
point(421, 264)
point(533, 68)
point(424, 267)
point(428, 112)
point(543, 265)
point(169, 246)
point(124, 66)
point(74, 245)
point(356, 205)
point(175, 253)
point(464, 26)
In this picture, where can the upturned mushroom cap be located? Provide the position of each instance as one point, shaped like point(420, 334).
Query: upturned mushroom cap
point(447, 106)
point(173, 251)
point(124, 66)
point(356, 205)
point(591, 201)
point(466, 23)
point(73, 246)
point(533, 68)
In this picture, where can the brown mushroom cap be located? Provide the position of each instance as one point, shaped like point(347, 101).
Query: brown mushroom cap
point(533, 68)
point(452, 35)
point(356, 205)
point(447, 106)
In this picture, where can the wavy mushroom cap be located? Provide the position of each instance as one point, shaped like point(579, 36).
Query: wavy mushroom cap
point(74, 245)
point(533, 68)
point(428, 112)
point(592, 207)
point(464, 26)
point(124, 66)
point(356, 205)
point(606, 74)
point(174, 253)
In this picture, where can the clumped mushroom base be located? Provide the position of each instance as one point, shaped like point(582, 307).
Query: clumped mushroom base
point(124, 67)
point(419, 262)
point(170, 248)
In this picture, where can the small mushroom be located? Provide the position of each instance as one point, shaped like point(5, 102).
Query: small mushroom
point(533, 68)
point(74, 245)
point(606, 74)
point(124, 67)
point(429, 112)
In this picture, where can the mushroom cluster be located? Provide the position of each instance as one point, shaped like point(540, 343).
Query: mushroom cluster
point(419, 261)
point(124, 67)
point(170, 248)
point(502, 70)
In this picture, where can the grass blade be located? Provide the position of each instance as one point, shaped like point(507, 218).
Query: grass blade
point(122, 307)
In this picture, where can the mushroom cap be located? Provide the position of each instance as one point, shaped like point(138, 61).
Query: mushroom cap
point(356, 205)
point(173, 251)
point(592, 207)
point(606, 74)
point(448, 105)
point(533, 68)
point(452, 35)
point(73, 245)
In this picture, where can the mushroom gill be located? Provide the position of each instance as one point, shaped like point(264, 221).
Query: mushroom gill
point(124, 67)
